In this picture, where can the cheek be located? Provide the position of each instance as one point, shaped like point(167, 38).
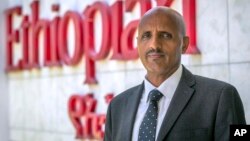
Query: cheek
point(142, 49)
point(140, 52)
point(173, 55)
point(177, 55)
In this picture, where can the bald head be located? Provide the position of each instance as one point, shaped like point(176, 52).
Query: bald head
point(164, 12)
point(161, 41)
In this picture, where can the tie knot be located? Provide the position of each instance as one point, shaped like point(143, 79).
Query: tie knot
point(155, 95)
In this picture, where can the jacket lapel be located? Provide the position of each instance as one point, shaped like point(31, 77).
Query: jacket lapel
point(132, 103)
point(180, 99)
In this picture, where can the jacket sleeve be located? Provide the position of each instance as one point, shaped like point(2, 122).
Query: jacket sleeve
point(230, 111)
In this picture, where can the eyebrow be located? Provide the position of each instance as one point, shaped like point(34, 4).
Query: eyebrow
point(161, 31)
point(146, 32)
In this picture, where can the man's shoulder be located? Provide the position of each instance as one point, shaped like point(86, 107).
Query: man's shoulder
point(203, 80)
point(212, 83)
point(123, 95)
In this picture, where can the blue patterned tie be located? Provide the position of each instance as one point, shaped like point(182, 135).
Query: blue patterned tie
point(147, 129)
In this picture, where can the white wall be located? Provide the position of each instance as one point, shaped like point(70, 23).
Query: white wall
point(4, 95)
point(38, 98)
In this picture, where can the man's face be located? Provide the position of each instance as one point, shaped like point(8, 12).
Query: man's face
point(160, 43)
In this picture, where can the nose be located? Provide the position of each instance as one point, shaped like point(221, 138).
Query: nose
point(155, 42)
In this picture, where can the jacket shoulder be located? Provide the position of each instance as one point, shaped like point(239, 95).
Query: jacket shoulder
point(123, 95)
point(214, 84)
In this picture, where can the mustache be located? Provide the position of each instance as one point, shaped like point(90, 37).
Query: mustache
point(158, 51)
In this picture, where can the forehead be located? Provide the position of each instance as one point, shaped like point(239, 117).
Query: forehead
point(158, 20)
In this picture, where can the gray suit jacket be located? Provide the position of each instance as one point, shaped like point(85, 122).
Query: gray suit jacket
point(201, 110)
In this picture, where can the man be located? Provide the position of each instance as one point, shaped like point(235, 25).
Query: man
point(187, 108)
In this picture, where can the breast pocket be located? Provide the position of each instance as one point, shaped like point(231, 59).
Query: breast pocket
point(190, 135)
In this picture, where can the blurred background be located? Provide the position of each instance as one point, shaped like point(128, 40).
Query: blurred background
point(34, 103)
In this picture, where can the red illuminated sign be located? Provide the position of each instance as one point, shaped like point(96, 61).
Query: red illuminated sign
point(87, 123)
point(116, 37)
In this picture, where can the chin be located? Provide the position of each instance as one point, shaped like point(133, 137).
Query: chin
point(157, 71)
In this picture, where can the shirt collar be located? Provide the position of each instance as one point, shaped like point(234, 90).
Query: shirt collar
point(167, 87)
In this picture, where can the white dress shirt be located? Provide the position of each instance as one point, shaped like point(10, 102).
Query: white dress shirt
point(167, 88)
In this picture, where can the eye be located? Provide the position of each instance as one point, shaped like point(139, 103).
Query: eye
point(165, 35)
point(146, 35)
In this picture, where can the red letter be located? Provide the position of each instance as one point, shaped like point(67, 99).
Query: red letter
point(81, 109)
point(37, 27)
point(145, 5)
point(117, 25)
point(127, 48)
point(12, 36)
point(109, 97)
point(190, 18)
point(76, 110)
point(164, 2)
point(63, 50)
point(54, 35)
point(25, 42)
point(97, 126)
point(90, 104)
point(91, 54)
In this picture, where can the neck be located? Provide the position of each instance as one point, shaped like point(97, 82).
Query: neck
point(157, 79)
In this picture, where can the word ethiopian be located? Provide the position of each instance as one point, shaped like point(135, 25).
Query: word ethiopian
point(116, 38)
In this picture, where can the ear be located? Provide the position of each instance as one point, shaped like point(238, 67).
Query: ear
point(185, 44)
